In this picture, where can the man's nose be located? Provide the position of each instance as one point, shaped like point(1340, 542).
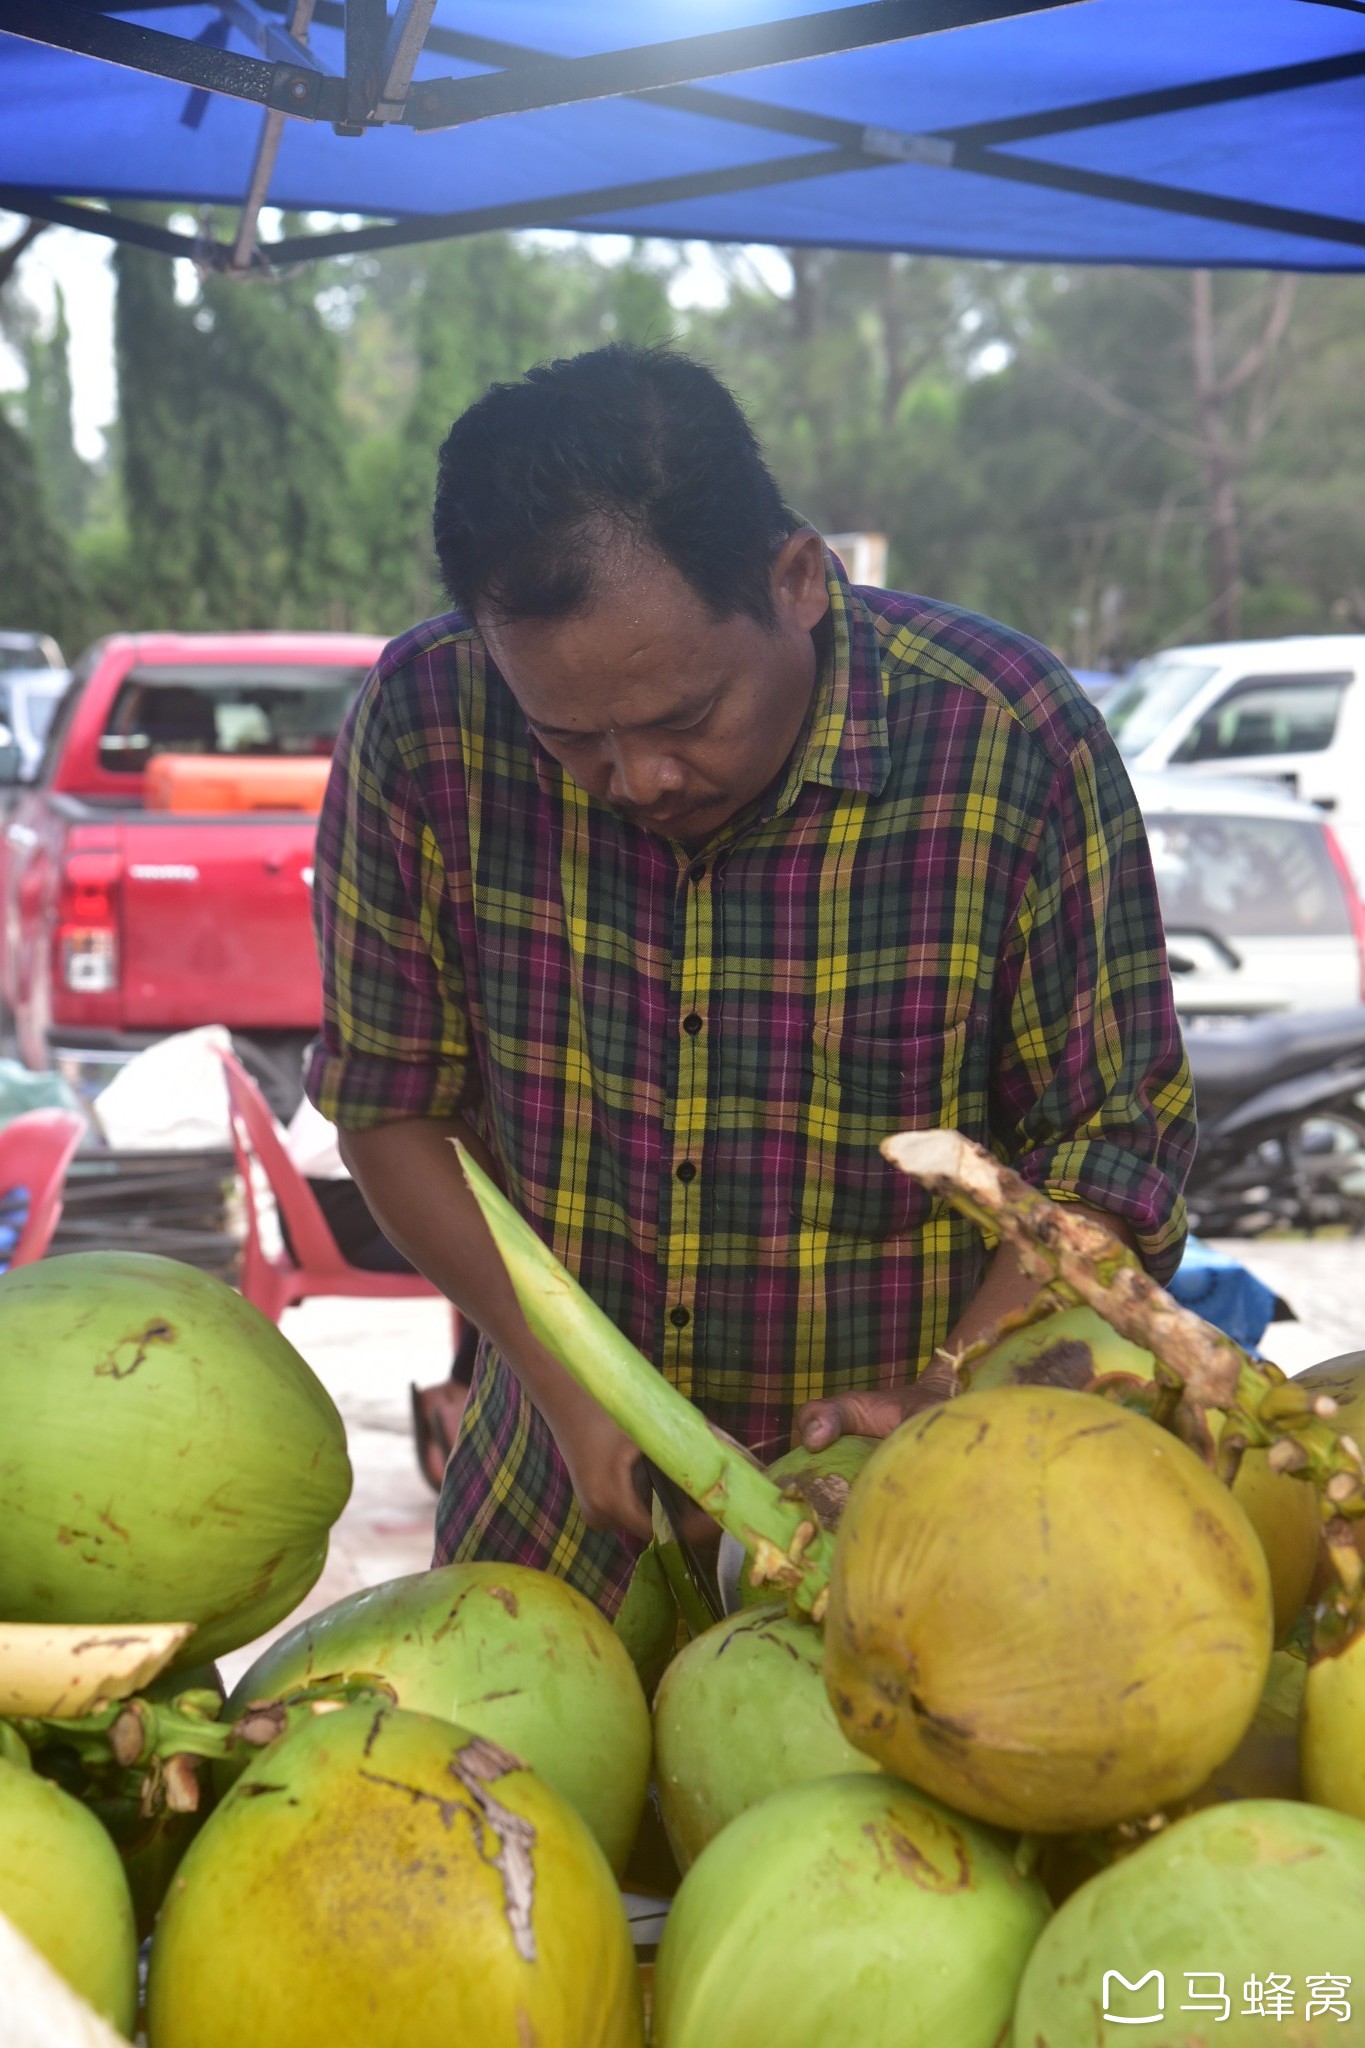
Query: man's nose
point(641, 773)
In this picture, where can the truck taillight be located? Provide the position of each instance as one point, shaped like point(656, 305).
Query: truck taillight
point(1353, 898)
point(88, 923)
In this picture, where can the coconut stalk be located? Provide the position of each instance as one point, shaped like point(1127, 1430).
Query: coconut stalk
point(154, 1747)
point(1071, 1254)
point(790, 1550)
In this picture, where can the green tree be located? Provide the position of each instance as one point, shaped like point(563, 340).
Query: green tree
point(40, 588)
point(443, 322)
point(234, 464)
point(67, 480)
point(40, 584)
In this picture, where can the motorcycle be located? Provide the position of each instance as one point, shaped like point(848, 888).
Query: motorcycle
point(1281, 1109)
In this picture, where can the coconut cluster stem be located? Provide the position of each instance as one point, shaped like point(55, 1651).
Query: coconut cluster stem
point(1067, 1250)
point(154, 1739)
point(790, 1551)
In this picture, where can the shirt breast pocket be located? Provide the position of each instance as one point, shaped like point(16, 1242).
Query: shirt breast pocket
point(861, 1091)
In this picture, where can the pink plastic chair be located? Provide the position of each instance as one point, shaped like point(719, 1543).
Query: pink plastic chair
point(273, 1282)
point(35, 1151)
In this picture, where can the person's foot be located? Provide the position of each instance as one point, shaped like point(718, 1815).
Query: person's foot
point(436, 1413)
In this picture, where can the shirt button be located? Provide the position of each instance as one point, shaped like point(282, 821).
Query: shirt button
point(697, 873)
point(687, 1171)
point(692, 1024)
point(679, 1318)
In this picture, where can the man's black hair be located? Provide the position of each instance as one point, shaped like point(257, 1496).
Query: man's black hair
point(538, 477)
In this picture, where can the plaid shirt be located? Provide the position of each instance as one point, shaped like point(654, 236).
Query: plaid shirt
point(942, 914)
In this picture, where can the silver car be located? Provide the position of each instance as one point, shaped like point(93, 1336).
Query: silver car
point(1257, 899)
point(28, 701)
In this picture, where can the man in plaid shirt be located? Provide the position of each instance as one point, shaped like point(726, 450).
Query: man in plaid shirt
point(672, 873)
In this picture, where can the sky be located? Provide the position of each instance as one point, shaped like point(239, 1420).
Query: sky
point(81, 265)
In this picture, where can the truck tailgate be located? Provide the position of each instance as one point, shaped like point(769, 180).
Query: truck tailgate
point(217, 923)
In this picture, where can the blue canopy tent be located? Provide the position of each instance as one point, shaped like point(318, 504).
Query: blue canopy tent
point(1208, 132)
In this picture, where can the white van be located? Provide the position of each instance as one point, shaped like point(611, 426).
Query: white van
point(1291, 711)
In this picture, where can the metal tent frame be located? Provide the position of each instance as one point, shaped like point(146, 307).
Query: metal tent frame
point(377, 89)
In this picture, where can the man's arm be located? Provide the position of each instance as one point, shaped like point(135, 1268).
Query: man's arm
point(1006, 1288)
point(394, 1061)
point(411, 1179)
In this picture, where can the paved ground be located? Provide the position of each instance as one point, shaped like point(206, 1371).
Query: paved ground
point(367, 1352)
point(1323, 1282)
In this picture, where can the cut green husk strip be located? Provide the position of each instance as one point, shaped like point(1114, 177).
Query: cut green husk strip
point(790, 1551)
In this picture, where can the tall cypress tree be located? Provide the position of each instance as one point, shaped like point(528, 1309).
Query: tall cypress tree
point(39, 586)
point(156, 351)
point(47, 408)
point(233, 451)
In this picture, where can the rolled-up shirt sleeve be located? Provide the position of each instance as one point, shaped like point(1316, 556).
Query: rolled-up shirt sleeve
point(395, 1038)
point(1093, 1100)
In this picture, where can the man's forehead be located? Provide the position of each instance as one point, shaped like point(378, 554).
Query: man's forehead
point(595, 672)
point(606, 704)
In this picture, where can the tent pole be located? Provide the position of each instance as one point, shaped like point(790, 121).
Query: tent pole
point(267, 149)
point(407, 34)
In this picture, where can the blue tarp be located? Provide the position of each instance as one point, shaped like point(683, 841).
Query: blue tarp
point(1225, 1293)
point(1136, 131)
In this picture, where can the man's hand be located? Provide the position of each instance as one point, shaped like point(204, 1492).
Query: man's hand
point(1007, 1288)
point(602, 1462)
point(409, 1174)
point(821, 1423)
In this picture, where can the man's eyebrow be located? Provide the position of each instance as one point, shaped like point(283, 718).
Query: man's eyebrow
point(560, 732)
point(679, 714)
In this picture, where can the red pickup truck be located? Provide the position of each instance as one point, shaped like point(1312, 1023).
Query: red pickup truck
point(156, 874)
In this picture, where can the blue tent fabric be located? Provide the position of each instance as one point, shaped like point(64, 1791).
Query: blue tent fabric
point(1222, 1290)
point(1032, 137)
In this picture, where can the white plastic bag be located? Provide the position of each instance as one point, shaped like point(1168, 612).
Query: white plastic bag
point(171, 1098)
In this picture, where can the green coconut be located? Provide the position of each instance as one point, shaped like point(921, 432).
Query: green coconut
point(1343, 1377)
point(822, 1481)
point(1264, 1765)
point(1046, 1611)
point(1073, 1347)
point(742, 1711)
point(1254, 1900)
point(647, 1619)
point(847, 1909)
point(381, 1877)
point(1069, 1348)
point(1286, 1516)
point(168, 1456)
point(505, 1652)
point(1332, 1727)
point(62, 1885)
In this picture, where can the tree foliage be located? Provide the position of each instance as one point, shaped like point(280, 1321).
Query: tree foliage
point(234, 451)
point(40, 589)
point(1113, 459)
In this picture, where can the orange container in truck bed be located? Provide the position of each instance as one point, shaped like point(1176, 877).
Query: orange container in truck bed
point(213, 783)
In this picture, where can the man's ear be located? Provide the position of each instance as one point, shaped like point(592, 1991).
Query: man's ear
point(800, 598)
